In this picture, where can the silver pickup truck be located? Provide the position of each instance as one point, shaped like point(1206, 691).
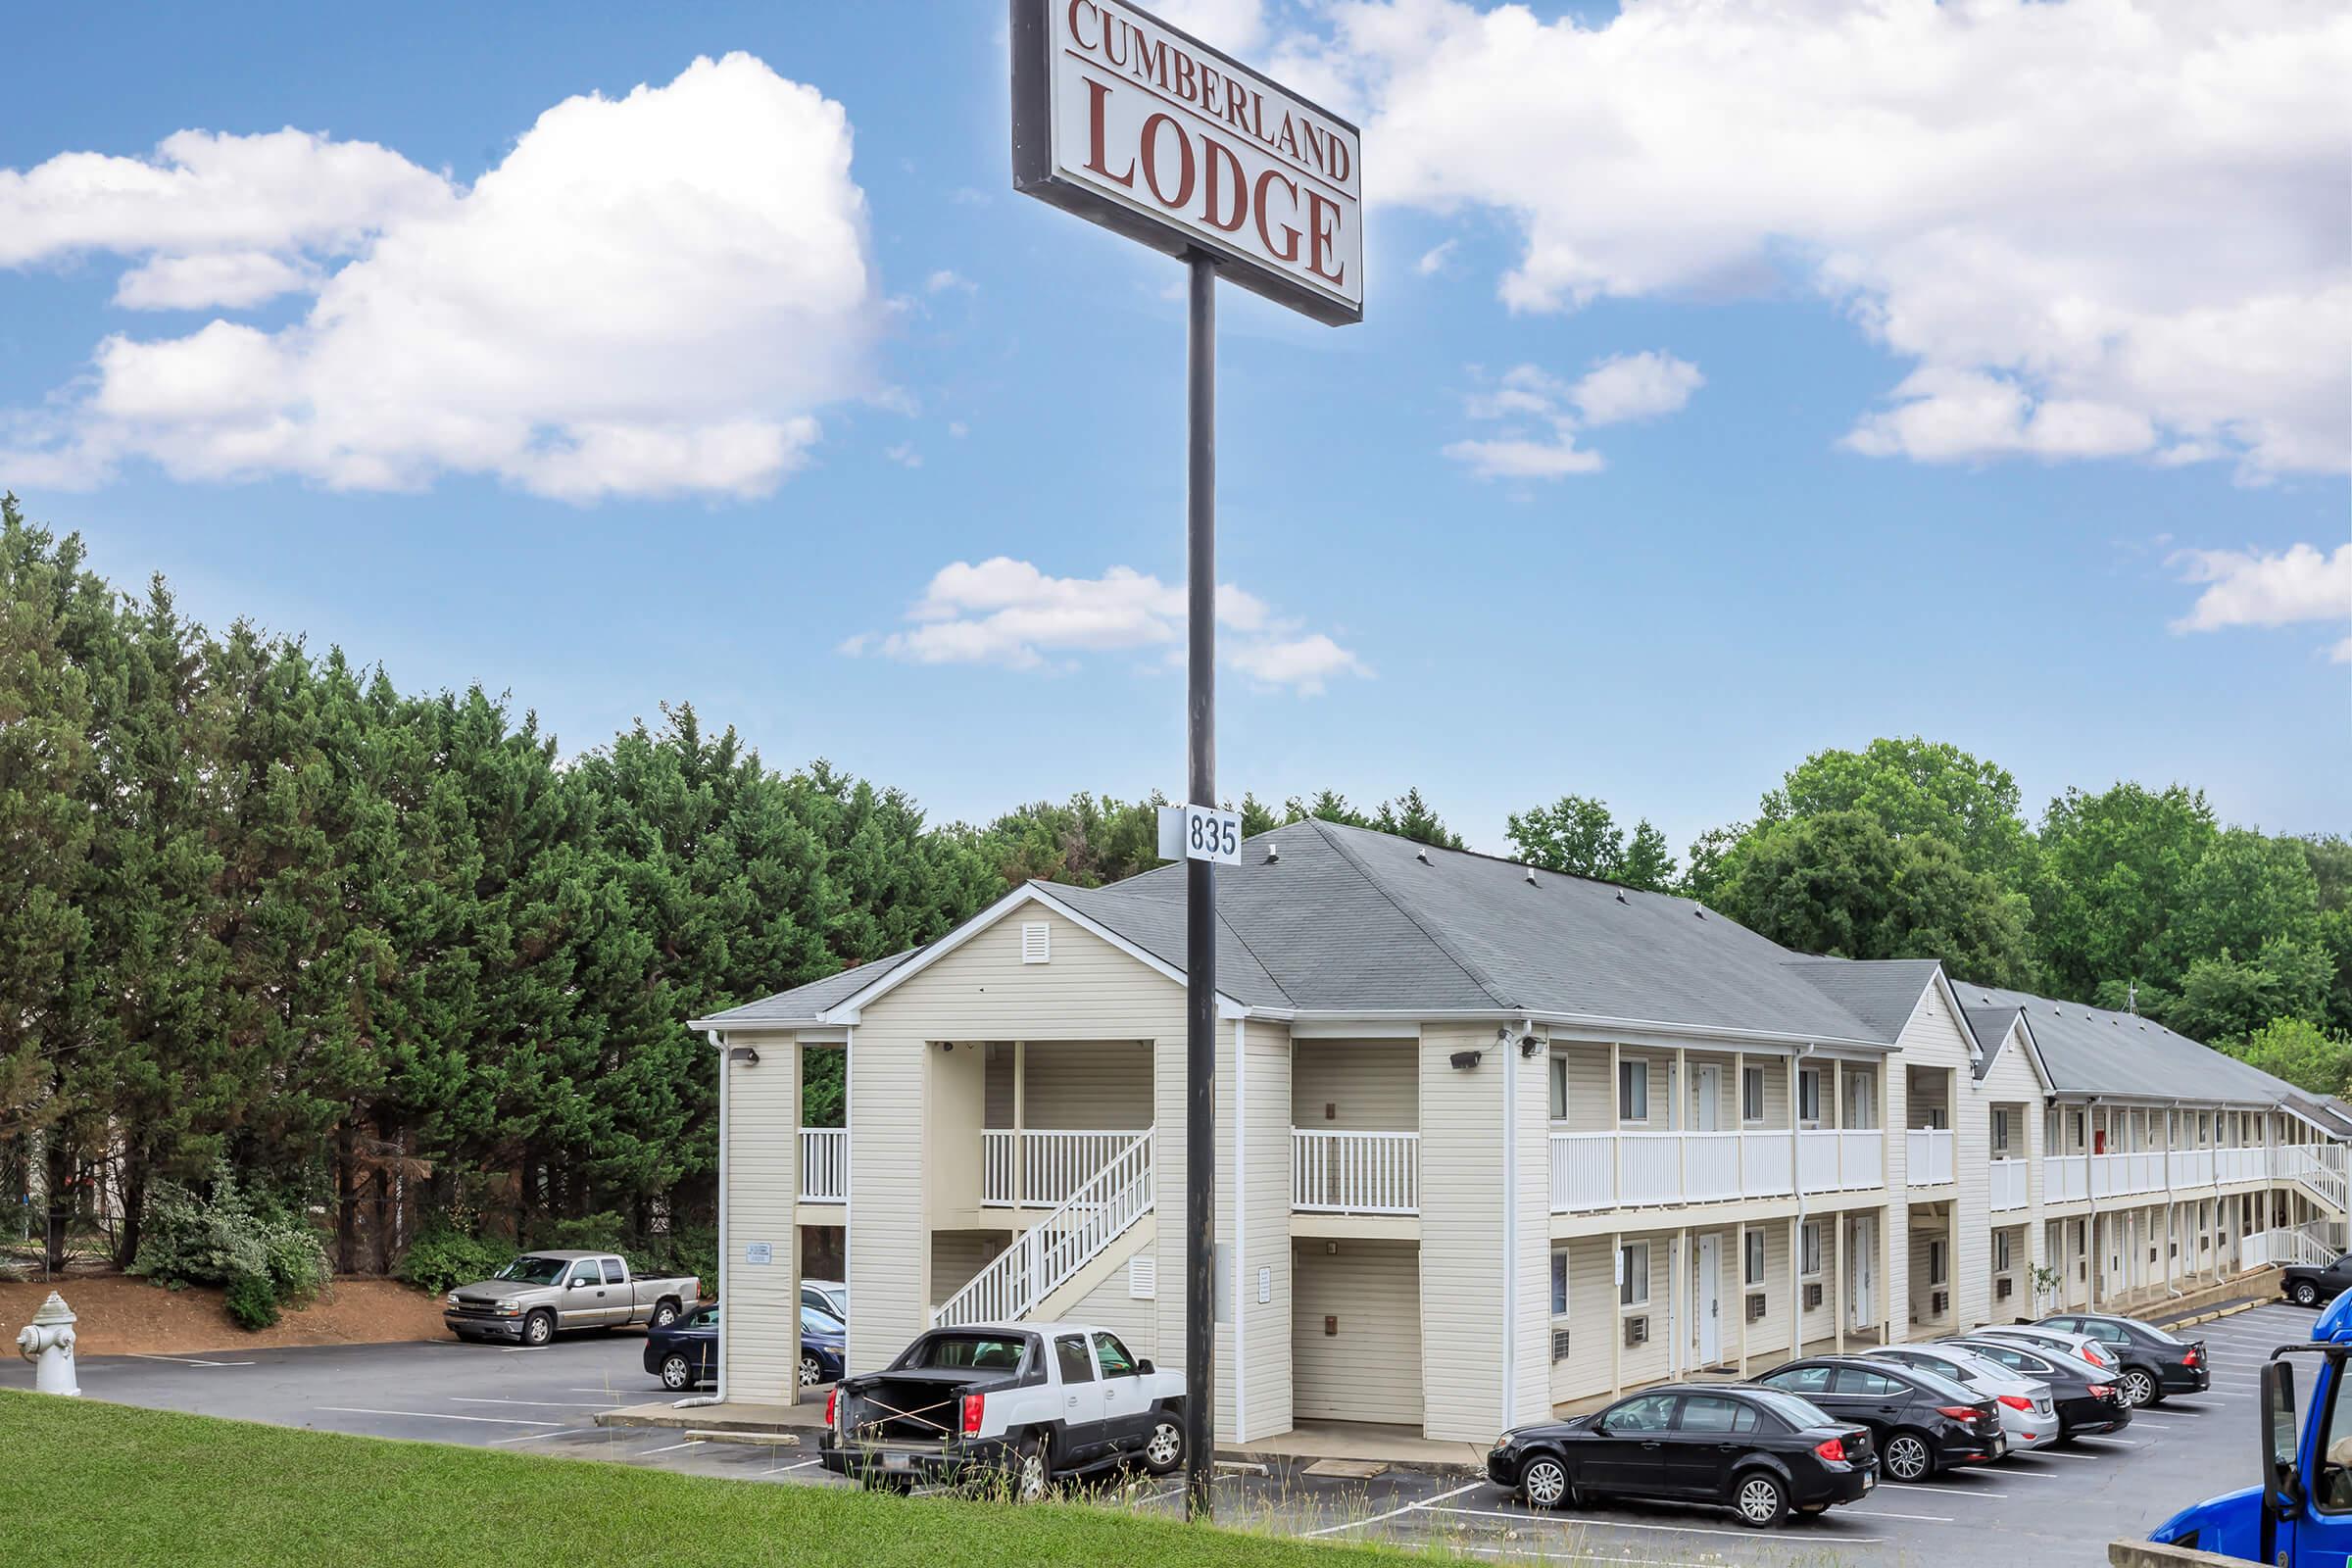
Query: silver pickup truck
point(540, 1294)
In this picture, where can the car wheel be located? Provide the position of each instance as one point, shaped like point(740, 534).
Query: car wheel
point(1908, 1457)
point(664, 1314)
point(1035, 1476)
point(1164, 1450)
point(539, 1328)
point(2137, 1388)
point(812, 1373)
point(2305, 1293)
point(677, 1373)
point(1545, 1483)
point(1759, 1498)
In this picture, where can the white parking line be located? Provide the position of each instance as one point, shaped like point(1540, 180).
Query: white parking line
point(559, 1404)
point(1358, 1524)
point(534, 1437)
point(2101, 1437)
point(648, 1454)
point(435, 1415)
point(1948, 1491)
point(607, 1393)
point(779, 1469)
point(1920, 1518)
point(186, 1360)
point(1543, 1555)
point(1623, 1524)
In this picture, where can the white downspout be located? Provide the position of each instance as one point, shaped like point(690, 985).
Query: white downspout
point(1796, 1184)
point(725, 1317)
point(1241, 1228)
point(1511, 1227)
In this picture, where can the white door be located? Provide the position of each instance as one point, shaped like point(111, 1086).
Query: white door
point(1709, 1296)
point(1863, 1255)
point(1861, 1101)
point(1706, 1090)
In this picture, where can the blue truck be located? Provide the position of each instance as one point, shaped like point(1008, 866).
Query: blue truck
point(2300, 1515)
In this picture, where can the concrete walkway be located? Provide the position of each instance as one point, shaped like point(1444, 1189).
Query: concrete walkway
point(1394, 1448)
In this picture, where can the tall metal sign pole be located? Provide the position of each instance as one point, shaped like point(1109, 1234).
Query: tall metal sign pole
point(1150, 132)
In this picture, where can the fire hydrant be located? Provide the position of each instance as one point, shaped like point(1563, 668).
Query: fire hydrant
point(48, 1343)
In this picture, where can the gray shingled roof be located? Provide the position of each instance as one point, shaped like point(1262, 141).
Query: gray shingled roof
point(2093, 1050)
point(803, 1003)
point(1991, 1026)
point(1880, 991)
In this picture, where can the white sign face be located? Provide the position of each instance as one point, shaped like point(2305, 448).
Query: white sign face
point(1124, 120)
point(759, 1253)
point(1199, 833)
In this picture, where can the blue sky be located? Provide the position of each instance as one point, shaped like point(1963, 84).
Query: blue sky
point(1736, 587)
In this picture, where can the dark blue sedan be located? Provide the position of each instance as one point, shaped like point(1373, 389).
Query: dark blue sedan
point(685, 1355)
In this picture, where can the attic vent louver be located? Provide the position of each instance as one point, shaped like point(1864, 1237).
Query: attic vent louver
point(1037, 941)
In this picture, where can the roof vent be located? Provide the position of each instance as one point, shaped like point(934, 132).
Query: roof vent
point(1273, 854)
point(1422, 856)
point(1621, 897)
point(1530, 876)
point(1696, 909)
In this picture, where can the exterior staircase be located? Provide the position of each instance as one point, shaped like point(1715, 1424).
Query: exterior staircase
point(2319, 1169)
point(1093, 1219)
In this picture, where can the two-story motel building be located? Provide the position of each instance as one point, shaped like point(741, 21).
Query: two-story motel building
point(1492, 1141)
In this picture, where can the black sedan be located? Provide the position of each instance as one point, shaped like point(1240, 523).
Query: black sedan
point(1923, 1422)
point(685, 1353)
point(2150, 1363)
point(1753, 1450)
point(2315, 1284)
point(2087, 1400)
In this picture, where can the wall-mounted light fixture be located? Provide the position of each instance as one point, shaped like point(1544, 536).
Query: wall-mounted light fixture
point(1465, 1059)
point(745, 1054)
point(1530, 1048)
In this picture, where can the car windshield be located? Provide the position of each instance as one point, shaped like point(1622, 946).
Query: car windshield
point(707, 1318)
point(987, 1352)
point(1801, 1413)
point(532, 1270)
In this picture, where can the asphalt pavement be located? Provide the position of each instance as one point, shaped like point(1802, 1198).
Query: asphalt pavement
point(2054, 1506)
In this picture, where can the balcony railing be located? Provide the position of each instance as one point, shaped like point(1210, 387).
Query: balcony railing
point(824, 1165)
point(2071, 1178)
point(2008, 1184)
point(1050, 1163)
point(1928, 1156)
point(1356, 1173)
point(1639, 1170)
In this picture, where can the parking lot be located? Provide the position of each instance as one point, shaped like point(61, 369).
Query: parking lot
point(2051, 1506)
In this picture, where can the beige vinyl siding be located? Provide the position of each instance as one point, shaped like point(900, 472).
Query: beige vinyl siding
point(1365, 1086)
point(1365, 1370)
point(1821, 1322)
point(761, 1331)
point(1770, 1338)
point(1592, 1319)
point(1776, 1094)
point(957, 1256)
point(1462, 1229)
point(1112, 1305)
point(1661, 1067)
point(1591, 1095)
point(900, 1137)
point(1091, 1084)
point(1647, 1363)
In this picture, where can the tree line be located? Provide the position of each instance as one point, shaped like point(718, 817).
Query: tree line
point(397, 959)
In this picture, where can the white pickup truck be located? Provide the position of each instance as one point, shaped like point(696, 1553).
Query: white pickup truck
point(1016, 1402)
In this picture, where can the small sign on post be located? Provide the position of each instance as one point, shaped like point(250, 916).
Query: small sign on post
point(1200, 833)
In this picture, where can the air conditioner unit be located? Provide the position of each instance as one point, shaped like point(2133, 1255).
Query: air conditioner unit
point(1560, 1345)
point(1940, 1303)
point(2001, 1288)
point(1637, 1331)
point(1755, 1307)
point(1813, 1296)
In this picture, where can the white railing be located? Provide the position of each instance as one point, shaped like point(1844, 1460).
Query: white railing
point(1817, 1161)
point(2119, 1175)
point(2240, 1164)
point(824, 1165)
point(2065, 1178)
point(1711, 1168)
point(2192, 1167)
point(2282, 1246)
point(2008, 1184)
point(2317, 1166)
point(1861, 1159)
point(1584, 1171)
point(1048, 1253)
point(1766, 1169)
point(1639, 1170)
point(1650, 1166)
point(1356, 1173)
point(1052, 1163)
point(1928, 1156)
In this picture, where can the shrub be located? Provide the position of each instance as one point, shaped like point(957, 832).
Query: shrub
point(443, 1258)
point(252, 1302)
point(193, 1240)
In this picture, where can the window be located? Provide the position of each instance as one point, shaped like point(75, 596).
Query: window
point(1633, 1274)
point(1861, 1380)
point(1116, 1362)
point(1753, 1273)
point(1712, 1412)
point(615, 1274)
point(1649, 1412)
point(1807, 1380)
point(585, 1274)
point(1633, 1090)
point(2001, 1252)
point(982, 1353)
point(707, 1318)
point(2000, 1132)
point(1809, 1239)
point(1935, 1262)
point(2078, 1135)
point(1808, 1095)
point(1076, 1365)
point(1559, 1089)
point(1559, 1282)
point(1751, 1094)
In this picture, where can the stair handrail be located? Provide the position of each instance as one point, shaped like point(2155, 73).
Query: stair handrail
point(1048, 1254)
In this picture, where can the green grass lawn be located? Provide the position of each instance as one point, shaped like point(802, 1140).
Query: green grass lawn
point(106, 1484)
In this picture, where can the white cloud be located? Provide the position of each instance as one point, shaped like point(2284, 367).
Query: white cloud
point(2250, 588)
point(650, 295)
point(2094, 227)
point(1008, 612)
point(1232, 25)
point(1544, 412)
point(941, 282)
point(1434, 260)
